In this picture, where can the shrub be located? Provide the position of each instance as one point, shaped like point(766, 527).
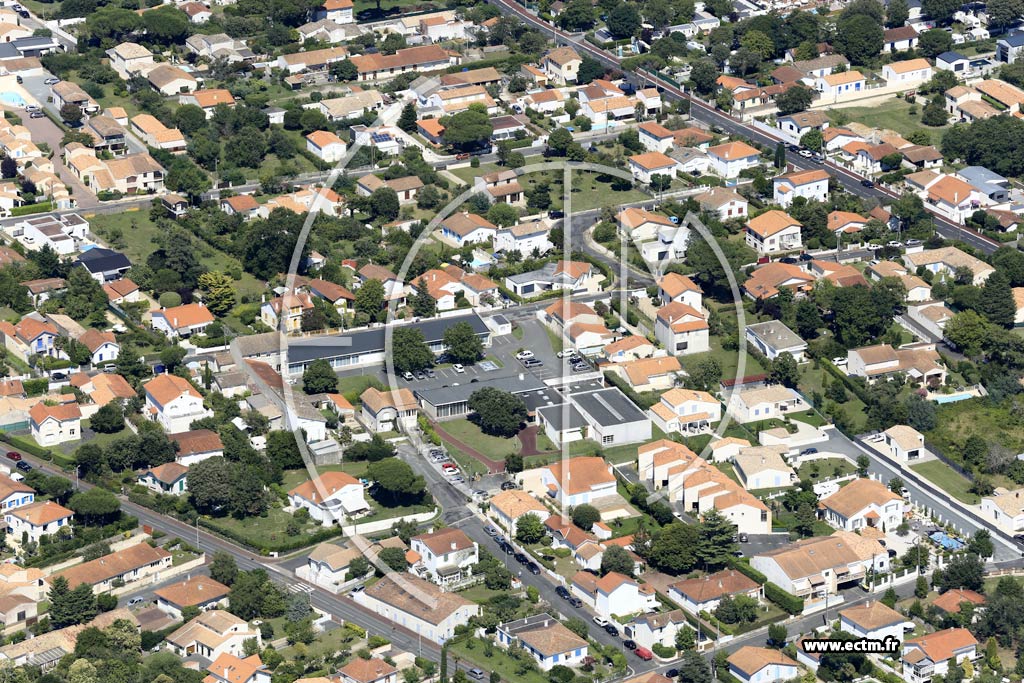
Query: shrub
point(787, 601)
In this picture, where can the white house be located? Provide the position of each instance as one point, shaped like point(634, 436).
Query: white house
point(613, 594)
point(763, 467)
point(703, 594)
point(211, 634)
point(199, 591)
point(908, 73)
point(723, 202)
point(752, 664)
point(1005, 509)
point(384, 411)
point(811, 184)
point(904, 443)
point(682, 329)
point(445, 556)
point(762, 403)
point(676, 287)
point(52, 425)
point(834, 86)
point(508, 507)
point(660, 627)
point(929, 655)
point(580, 480)
point(816, 567)
point(773, 231)
point(649, 164)
point(418, 605)
point(174, 402)
point(524, 238)
point(730, 159)
point(15, 494)
point(686, 411)
point(331, 498)
point(773, 338)
point(170, 479)
point(873, 620)
point(864, 503)
point(546, 639)
point(467, 228)
point(325, 145)
point(36, 520)
point(102, 346)
point(655, 137)
point(182, 321)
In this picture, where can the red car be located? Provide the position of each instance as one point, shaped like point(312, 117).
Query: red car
point(644, 654)
point(13, 455)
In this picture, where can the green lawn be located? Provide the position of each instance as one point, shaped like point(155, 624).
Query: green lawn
point(261, 531)
point(949, 481)
point(138, 241)
point(351, 386)
point(808, 417)
point(293, 478)
point(499, 661)
point(471, 435)
point(468, 174)
point(727, 360)
point(555, 339)
point(813, 379)
point(826, 469)
point(729, 470)
point(893, 114)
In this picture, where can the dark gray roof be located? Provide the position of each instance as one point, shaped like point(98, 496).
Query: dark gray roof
point(608, 407)
point(372, 340)
point(554, 415)
point(513, 384)
point(263, 344)
point(101, 260)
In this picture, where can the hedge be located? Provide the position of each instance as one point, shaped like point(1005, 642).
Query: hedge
point(32, 208)
point(748, 571)
point(855, 388)
point(644, 402)
point(787, 601)
point(27, 446)
point(36, 387)
point(663, 652)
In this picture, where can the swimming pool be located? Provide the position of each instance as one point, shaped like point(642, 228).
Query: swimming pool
point(12, 98)
point(946, 541)
point(953, 398)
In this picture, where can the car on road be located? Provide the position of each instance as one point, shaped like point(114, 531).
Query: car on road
point(806, 257)
point(407, 376)
point(36, 115)
point(629, 644)
point(508, 485)
point(644, 654)
point(32, 107)
point(533, 568)
point(137, 600)
point(457, 479)
point(893, 244)
point(611, 630)
point(743, 538)
point(52, 80)
point(525, 355)
point(867, 183)
point(556, 214)
point(562, 592)
point(809, 451)
point(806, 153)
point(874, 247)
point(490, 531)
point(458, 367)
point(793, 148)
point(601, 621)
point(475, 674)
point(914, 243)
point(522, 558)
point(13, 455)
point(24, 466)
point(575, 602)
point(671, 673)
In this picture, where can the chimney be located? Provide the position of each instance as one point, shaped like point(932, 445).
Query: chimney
point(454, 545)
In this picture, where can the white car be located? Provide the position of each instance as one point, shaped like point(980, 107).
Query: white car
point(32, 107)
point(407, 376)
point(874, 247)
point(894, 244)
point(458, 367)
point(524, 355)
point(601, 621)
point(51, 81)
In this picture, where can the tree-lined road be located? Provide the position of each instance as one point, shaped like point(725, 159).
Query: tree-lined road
point(702, 111)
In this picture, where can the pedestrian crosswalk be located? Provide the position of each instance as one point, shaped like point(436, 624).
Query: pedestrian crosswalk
point(300, 588)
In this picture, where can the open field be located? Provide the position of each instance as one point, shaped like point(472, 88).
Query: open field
point(893, 114)
point(949, 481)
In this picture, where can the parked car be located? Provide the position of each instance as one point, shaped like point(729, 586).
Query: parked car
point(611, 630)
point(644, 654)
point(601, 621)
point(525, 355)
point(24, 466)
point(138, 599)
point(430, 373)
point(13, 455)
point(672, 673)
point(521, 558)
point(51, 81)
point(533, 568)
point(36, 115)
point(407, 376)
point(562, 592)
point(420, 375)
point(575, 602)
point(458, 367)
point(629, 644)
point(508, 485)
point(893, 244)
point(809, 451)
point(867, 183)
point(490, 531)
point(476, 674)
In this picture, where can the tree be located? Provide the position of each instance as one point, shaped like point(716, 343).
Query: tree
point(407, 121)
point(896, 13)
point(808, 319)
point(166, 24)
point(396, 478)
point(921, 414)
point(777, 636)
point(705, 374)
point(502, 214)
point(759, 43)
point(84, 296)
point(345, 70)
point(384, 204)
point(209, 483)
point(704, 75)
point(95, 506)
point(862, 465)
point(585, 516)
point(784, 370)
point(247, 497)
point(940, 11)
point(968, 332)
point(248, 148)
point(996, 301)
point(716, 540)
point(934, 42)
point(617, 559)
point(578, 15)
point(559, 142)
point(185, 177)
point(795, 99)
point(424, 305)
point(694, 668)
point(219, 291)
point(1002, 13)
point(68, 606)
point(921, 588)
point(497, 412)
point(71, 114)
point(370, 299)
point(319, 378)
point(529, 529)
point(963, 571)
point(409, 350)
point(171, 357)
point(223, 568)
point(589, 69)
point(394, 559)
point(934, 114)
point(108, 419)
point(812, 140)
point(981, 544)
point(859, 37)
point(467, 129)
point(461, 343)
point(686, 638)
point(623, 21)
point(672, 549)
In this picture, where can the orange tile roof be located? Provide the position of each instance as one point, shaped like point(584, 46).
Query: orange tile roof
point(950, 601)
point(640, 371)
point(750, 660)
point(909, 65)
point(40, 514)
point(655, 129)
point(652, 161)
point(113, 565)
point(733, 150)
point(715, 586)
point(942, 645)
point(771, 222)
point(323, 138)
point(169, 472)
point(812, 175)
point(212, 97)
point(231, 669)
point(444, 541)
point(376, 400)
point(367, 670)
point(328, 483)
point(66, 411)
point(431, 126)
point(872, 615)
point(165, 388)
point(675, 284)
point(187, 315)
point(584, 474)
point(196, 590)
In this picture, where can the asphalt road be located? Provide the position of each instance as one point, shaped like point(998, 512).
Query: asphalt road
point(702, 111)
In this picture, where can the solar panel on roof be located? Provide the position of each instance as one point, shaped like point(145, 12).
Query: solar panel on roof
point(380, 137)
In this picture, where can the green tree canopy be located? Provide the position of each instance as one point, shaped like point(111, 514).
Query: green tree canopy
point(497, 412)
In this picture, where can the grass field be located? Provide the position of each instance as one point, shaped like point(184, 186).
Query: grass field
point(471, 435)
point(893, 114)
point(812, 380)
point(351, 386)
point(949, 481)
point(499, 662)
point(587, 192)
point(293, 478)
point(139, 233)
point(826, 469)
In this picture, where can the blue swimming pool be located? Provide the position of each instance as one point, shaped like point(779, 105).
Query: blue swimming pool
point(12, 99)
point(946, 541)
point(953, 398)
